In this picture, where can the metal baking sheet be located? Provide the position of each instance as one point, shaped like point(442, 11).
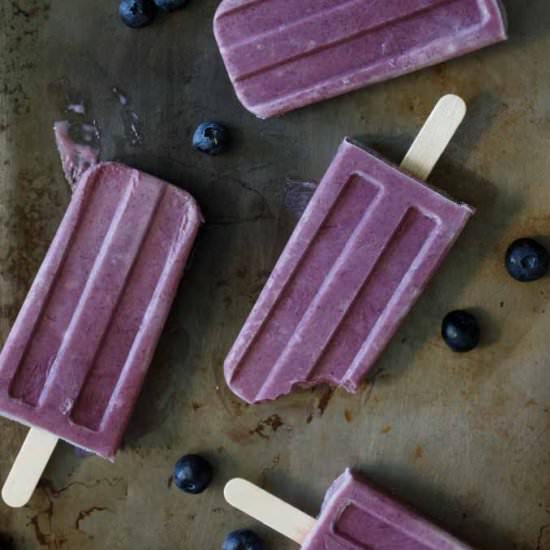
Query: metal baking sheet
point(465, 439)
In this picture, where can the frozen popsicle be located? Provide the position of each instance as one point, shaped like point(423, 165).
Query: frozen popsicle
point(285, 54)
point(366, 246)
point(74, 363)
point(355, 516)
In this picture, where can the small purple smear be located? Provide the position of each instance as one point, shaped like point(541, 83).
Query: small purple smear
point(77, 108)
point(82, 453)
point(297, 196)
point(75, 158)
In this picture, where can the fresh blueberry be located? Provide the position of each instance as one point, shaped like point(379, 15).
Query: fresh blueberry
point(137, 13)
point(244, 539)
point(527, 260)
point(460, 330)
point(211, 138)
point(170, 5)
point(192, 474)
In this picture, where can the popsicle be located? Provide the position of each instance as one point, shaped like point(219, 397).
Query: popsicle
point(74, 363)
point(355, 516)
point(284, 54)
point(365, 248)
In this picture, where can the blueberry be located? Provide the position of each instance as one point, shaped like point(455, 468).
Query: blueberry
point(170, 5)
point(192, 474)
point(244, 539)
point(460, 330)
point(211, 138)
point(137, 13)
point(527, 260)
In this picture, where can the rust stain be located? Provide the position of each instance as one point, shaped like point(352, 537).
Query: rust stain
point(274, 422)
point(386, 429)
point(348, 415)
point(418, 452)
point(530, 403)
point(42, 538)
point(238, 436)
point(324, 400)
point(82, 515)
point(51, 491)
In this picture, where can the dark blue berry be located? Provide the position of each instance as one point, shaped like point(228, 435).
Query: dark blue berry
point(192, 474)
point(211, 138)
point(527, 260)
point(170, 5)
point(244, 539)
point(460, 330)
point(137, 13)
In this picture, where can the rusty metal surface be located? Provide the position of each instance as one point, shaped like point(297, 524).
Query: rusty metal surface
point(466, 439)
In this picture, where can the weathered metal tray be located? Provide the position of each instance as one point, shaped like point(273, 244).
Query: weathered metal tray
point(466, 439)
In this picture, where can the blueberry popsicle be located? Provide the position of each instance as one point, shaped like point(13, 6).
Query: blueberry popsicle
point(74, 363)
point(355, 516)
point(284, 54)
point(363, 251)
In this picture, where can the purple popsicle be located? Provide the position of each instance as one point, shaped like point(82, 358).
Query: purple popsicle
point(285, 54)
point(358, 516)
point(76, 358)
point(355, 516)
point(362, 253)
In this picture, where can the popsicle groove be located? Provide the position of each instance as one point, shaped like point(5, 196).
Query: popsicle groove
point(344, 216)
point(354, 521)
point(360, 51)
point(63, 296)
point(347, 339)
point(298, 49)
point(113, 354)
point(96, 336)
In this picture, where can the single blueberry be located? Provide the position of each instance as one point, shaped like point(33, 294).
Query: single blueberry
point(192, 474)
point(527, 260)
point(211, 138)
point(244, 539)
point(170, 5)
point(137, 13)
point(460, 330)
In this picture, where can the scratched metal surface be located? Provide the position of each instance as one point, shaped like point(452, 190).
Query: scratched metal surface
point(466, 439)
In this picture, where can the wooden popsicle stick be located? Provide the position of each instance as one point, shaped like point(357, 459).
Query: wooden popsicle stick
point(435, 135)
point(28, 467)
point(269, 510)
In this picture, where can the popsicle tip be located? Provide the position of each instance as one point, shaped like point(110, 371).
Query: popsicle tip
point(14, 499)
point(231, 487)
point(456, 102)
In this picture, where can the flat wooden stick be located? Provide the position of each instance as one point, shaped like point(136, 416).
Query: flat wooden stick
point(28, 467)
point(435, 135)
point(269, 510)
